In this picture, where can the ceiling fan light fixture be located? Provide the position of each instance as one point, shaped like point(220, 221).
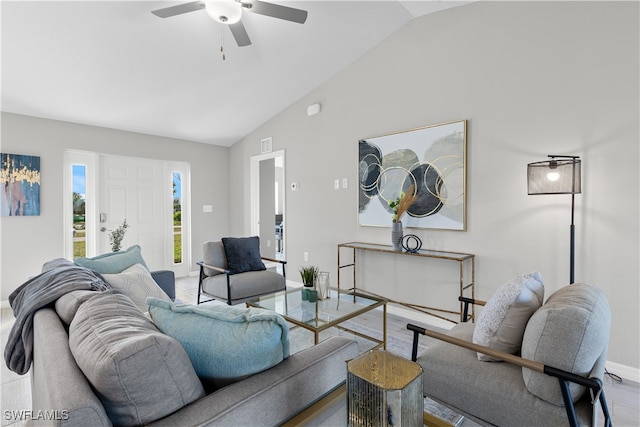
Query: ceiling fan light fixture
point(224, 11)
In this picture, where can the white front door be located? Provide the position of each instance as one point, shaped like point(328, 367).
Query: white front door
point(134, 189)
point(153, 196)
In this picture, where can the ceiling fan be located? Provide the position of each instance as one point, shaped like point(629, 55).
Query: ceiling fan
point(229, 12)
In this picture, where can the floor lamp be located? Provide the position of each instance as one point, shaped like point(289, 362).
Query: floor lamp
point(558, 175)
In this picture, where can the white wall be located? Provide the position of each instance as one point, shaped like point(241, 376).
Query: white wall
point(531, 78)
point(28, 242)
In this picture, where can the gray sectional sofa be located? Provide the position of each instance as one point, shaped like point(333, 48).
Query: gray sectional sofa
point(63, 395)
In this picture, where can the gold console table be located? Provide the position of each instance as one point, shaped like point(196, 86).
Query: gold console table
point(467, 287)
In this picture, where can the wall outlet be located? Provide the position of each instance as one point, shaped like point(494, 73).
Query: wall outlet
point(306, 256)
point(345, 183)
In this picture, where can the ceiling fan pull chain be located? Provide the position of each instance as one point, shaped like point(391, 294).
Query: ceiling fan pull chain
point(222, 43)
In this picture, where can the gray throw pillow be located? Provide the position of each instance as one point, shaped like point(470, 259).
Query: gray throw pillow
point(67, 305)
point(139, 373)
point(243, 254)
point(569, 332)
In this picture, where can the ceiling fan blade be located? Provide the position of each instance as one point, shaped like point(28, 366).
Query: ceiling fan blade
point(277, 11)
point(179, 9)
point(240, 34)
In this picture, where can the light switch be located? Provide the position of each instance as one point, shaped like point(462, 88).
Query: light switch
point(345, 183)
point(207, 208)
point(336, 184)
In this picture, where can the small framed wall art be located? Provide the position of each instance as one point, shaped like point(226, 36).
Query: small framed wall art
point(432, 159)
point(20, 179)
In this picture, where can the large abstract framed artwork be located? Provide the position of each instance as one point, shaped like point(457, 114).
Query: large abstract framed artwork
point(432, 158)
point(20, 180)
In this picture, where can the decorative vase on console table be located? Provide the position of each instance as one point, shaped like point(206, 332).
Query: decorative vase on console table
point(396, 235)
point(399, 206)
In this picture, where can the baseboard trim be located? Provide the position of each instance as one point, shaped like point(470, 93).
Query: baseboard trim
point(418, 316)
point(626, 372)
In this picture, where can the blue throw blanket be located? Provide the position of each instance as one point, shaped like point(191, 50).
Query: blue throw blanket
point(59, 277)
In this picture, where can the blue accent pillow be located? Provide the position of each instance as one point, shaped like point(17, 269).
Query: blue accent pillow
point(225, 343)
point(243, 254)
point(113, 262)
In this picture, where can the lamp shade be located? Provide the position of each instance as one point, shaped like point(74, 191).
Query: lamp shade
point(559, 175)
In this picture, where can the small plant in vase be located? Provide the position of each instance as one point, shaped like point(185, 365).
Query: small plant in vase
point(399, 207)
point(309, 275)
point(116, 236)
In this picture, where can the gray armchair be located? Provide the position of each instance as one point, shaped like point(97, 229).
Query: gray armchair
point(556, 381)
point(220, 281)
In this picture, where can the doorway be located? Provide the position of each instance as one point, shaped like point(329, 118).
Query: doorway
point(268, 203)
point(151, 195)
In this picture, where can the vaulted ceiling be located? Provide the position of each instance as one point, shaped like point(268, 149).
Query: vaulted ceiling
point(114, 64)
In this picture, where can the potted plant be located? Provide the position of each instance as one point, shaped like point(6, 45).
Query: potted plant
point(309, 275)
point(116, 236)
point(402, 204)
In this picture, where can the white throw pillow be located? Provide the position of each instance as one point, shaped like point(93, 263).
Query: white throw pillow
point(136, 282)
point(503, 319)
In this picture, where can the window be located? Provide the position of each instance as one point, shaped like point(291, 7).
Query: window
point(177, 217)
point(79, 210)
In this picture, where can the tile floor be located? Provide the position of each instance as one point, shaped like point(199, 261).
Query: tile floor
point(16, 389)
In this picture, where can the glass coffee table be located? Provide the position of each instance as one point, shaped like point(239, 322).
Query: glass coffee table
point(320, 315)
